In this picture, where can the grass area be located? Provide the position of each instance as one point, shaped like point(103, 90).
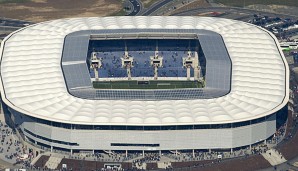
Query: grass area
point(241, 3)
point(148, 3)
point(44, 10)
point(13, 1)
point(122, 12)
point(152, 84)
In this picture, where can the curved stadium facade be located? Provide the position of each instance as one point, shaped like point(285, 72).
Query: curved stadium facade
point(143, 83)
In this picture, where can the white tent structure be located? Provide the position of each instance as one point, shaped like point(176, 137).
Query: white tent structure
point(34, 89)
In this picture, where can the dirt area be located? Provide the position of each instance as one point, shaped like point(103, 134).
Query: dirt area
point(42, 10)
point(148, 3)
point(241, 3)
point(192, 5)
point(281, 9)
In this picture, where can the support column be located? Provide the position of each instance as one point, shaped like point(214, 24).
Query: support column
point(71, 152)
point(143, 153)
point(250, 147)
point(176, 153)
point(128, 73)
point(196, 66)
point(125, 153)
point(193, 153)
point(209, 150)
point(265, 141)
point(51, 148)
point(93, 151)
point(96, 73)
point(155, 72)
point(188, 73)
point(231, 150)
point(159, 152)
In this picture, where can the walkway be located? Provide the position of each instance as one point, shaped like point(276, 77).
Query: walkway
point(274, 157)
point(53, 162)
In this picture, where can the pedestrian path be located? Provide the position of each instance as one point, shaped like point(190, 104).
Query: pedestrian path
point(53, 162)
point(295, 164)
point(141, 166)
point(274, 157)
point(164, 165)
point(35, 159)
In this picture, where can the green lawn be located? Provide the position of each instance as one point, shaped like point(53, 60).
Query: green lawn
point(241, 3)
point(152, 84)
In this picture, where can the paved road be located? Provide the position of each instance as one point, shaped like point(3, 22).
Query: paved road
point(230, 9)
point(155, 7)
point(13, 23)
point(137, 7)
point(233, 13)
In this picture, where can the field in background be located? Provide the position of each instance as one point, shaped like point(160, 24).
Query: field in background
point(241, 3)
point(192, 5)
point(148, 3)
point(152, 84)
point(12, 1)
point(43, 10)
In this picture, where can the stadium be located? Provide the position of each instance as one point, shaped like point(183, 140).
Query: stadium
point(143, 83)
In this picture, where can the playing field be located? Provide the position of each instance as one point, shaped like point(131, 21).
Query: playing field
point(152, 84)
point(241, 3)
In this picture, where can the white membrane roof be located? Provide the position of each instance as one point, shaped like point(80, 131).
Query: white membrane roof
point(33, 82)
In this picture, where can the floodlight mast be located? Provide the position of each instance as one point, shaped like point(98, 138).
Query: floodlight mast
point(192, 61)
point(156, 61)
point(127, 62)
point(196, 65)
point(95, 64)
point(155, 65)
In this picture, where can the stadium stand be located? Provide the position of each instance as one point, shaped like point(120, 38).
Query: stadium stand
point(110, 52)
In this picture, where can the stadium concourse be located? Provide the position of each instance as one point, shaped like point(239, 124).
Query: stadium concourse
point(183, 84)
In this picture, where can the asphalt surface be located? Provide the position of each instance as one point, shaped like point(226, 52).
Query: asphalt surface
point(13, 23)
point(137, 7)
point(241, 14)
point(230, 9)
point(9, 25)
point(155, 7)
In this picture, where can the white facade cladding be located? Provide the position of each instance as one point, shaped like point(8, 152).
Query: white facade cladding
point(33, 86)
point(207, 138)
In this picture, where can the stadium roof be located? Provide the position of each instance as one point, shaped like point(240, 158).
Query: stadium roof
point(33, 82)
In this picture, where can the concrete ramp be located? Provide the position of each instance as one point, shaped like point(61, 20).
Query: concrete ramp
point(35, 159)
point(164, 165)
point(53, 162)
point(274, 157)
point(143, 166)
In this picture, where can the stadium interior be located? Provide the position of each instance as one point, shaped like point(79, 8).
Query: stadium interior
point(146, 63)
